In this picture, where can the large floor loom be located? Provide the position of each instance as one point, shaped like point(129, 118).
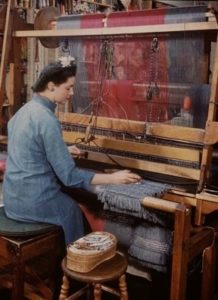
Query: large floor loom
point(146, 99)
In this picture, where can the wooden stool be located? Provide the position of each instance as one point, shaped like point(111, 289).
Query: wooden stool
point(23, 244)
point(113, 269)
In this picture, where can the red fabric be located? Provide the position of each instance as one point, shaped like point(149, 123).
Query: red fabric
point(95, 223)
point(137, 17)
point(92, 21)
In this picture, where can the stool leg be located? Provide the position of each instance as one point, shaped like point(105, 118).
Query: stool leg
point(97, 291)
point(18, 281)
point(89, 294)
point(64, 289)
point(123, 288)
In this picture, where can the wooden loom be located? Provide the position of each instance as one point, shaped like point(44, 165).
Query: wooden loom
point(190, 238)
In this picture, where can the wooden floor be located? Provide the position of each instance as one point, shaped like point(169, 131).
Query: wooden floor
point(141, 289)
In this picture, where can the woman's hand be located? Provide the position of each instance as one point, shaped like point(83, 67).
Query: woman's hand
point(118, 177)
point(125, 176)
point(75, 152)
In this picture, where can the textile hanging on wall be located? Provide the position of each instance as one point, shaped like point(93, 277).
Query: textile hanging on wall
point(125, 76)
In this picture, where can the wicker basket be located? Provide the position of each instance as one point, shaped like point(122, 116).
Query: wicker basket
point(91, 250)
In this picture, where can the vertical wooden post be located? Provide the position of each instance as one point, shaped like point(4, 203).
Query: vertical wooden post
point(6, 47)
point(208, 149)
point(182, 228)
point(17, 77)
point(208, 272)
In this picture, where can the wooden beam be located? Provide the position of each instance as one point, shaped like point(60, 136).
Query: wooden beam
point(211, 133)
point(145, 148)
point(185, 134)
point(103, 122)
point(161, 130)
point(207, 197)
point(160, 204)
point(125, 30)
point(149, 166)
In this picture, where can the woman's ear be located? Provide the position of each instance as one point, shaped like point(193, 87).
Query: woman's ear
point(51, 86)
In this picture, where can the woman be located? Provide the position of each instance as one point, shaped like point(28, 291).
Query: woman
point(39, 161)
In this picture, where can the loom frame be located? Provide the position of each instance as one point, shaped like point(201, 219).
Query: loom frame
point(186, 244)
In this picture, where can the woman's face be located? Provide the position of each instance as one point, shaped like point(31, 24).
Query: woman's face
point(64, 91)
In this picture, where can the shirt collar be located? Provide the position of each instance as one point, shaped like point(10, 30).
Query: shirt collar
point(44, 101)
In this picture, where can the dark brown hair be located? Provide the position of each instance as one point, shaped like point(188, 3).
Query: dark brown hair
point(55, 72)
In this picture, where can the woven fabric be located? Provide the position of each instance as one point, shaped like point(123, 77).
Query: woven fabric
point(150, 241)
point(152, 244)
point(127, 199)
point(145, 243)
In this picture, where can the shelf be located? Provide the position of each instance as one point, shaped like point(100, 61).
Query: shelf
point(97, 3)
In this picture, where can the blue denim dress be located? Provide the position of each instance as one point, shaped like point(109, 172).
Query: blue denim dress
point(38, 160)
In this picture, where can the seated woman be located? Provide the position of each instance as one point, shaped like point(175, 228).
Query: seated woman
point(39, 161)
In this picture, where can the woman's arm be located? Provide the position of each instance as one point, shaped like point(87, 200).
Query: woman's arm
point(119, 177)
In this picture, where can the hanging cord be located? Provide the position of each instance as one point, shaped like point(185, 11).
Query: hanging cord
point(153, 89)
point(104, 72)
point(104, 69)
